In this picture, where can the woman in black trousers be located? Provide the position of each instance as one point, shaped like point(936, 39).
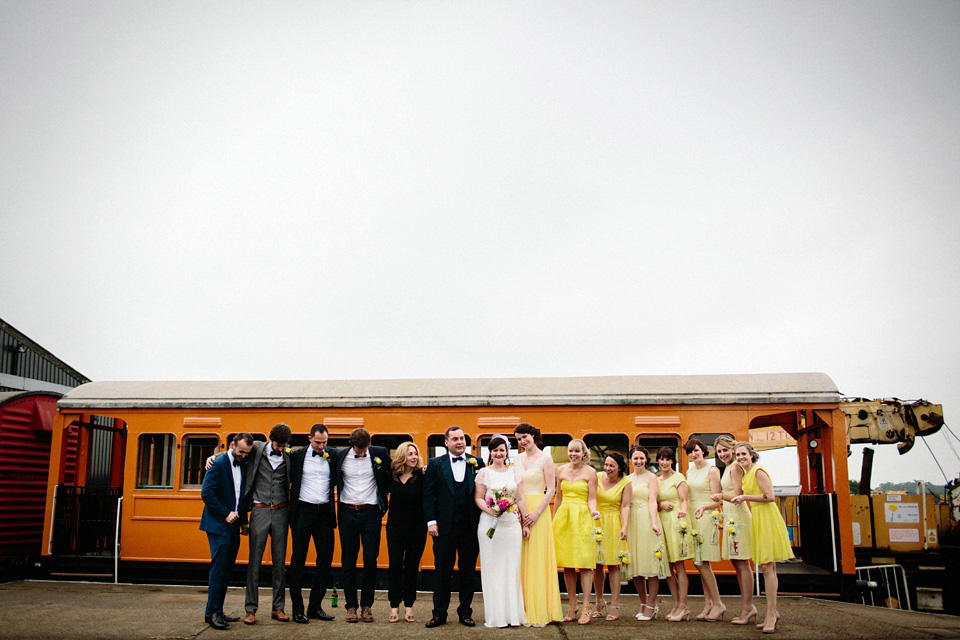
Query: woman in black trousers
point(406, 529)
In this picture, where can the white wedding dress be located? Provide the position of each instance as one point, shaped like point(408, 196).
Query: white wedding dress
point(500, 556)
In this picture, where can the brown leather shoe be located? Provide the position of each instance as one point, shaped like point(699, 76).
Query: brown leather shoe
point(251, 618)
point(280, 616)
point(366, 614)
point(352, 615)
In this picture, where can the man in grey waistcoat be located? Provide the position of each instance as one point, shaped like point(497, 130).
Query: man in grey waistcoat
point(265, 507)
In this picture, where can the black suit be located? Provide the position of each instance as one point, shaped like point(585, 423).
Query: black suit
point(450, 504)
point(360, 526)
point(307, 521)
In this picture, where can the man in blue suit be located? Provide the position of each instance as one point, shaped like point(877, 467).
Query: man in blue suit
point(361, 473)
point(452, 519)
point(221, 498)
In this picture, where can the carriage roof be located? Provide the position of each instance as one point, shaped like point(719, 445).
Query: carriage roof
point(781, 388)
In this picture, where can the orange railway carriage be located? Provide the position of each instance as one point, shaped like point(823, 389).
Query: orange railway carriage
point(149, 510)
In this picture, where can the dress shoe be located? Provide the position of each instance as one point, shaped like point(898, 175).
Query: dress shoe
point(366, 614)
point(435, 622)
point(217, 622)
point(352, 615)
point(320, 614)
point(279, 616)
point(230, 618)
point(467, 621)
point(299, 618)
point(251, 618)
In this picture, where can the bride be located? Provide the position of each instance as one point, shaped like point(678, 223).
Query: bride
point(501, 537)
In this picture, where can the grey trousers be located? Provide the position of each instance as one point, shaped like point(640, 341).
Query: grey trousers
point(264, 522)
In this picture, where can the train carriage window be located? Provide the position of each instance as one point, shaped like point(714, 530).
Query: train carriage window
point(708, 439)
point(156, 453)
point(435, 445)
point(602, 443)
point(195, 451)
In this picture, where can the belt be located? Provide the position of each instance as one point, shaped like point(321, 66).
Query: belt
point(315, 505)
point(357, 507)
point(270, 506)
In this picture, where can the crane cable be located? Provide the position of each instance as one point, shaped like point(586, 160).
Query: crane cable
point(935, 459)
point(950, 444)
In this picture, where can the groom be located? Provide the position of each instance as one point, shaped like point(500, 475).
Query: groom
point(452, 518)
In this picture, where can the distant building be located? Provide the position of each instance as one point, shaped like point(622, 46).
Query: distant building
point(26, 366)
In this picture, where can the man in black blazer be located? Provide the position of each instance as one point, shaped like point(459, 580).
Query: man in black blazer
point(312, 515)
point(452, 519)
point(361, 472)
point(221, 494)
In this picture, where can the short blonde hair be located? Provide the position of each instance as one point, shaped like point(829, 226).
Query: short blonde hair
point(584, 449)
point(399, 460)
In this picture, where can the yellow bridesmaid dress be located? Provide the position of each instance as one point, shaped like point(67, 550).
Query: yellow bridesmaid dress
point(573, 528)
point(611, 520)
point(679, 546)
point(737, 543)
point(538, 568)
point(698, 483)
point(770, 540)
point(641, 540)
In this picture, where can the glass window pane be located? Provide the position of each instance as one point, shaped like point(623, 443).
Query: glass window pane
point(435, 445)
point(155, 458)
point(602, 443)
point(196, 450)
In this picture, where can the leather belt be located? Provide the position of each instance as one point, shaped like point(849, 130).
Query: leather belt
point(357, 507)
point(316, 505)
point(270, 506)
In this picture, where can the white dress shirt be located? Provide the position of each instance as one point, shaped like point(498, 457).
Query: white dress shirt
point(359, 483)
point(236, 480)
point(315, 486)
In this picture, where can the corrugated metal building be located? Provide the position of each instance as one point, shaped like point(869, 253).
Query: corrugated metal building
point(32, 380)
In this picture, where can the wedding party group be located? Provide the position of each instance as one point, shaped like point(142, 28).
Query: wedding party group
point(641, 526)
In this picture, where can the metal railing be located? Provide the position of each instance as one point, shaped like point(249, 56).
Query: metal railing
point(879, 578)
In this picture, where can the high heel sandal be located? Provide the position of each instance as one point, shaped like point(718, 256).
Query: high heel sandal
point(572, 609)
point(751, 615)
point(702, 615)
point(409, 615)
point(600, 609)
point(644, 618)
point(585, 615)
point(684, 614)
point(719, 618)
point(614, 612)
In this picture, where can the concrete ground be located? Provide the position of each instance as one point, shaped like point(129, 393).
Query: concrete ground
point(36, 609)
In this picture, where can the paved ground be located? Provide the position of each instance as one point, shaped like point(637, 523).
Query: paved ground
point(33, 609)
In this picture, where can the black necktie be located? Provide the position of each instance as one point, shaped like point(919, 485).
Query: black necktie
point(318, 453)
point(458, 459)
point(275, 453)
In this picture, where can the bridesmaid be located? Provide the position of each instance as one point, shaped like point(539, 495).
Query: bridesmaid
point(644, 533)
point(573, 524)
point(672, 491)
point(614, 492)
point(736, 543)
point(406, 529)
point(771, 544)
point(704, 481)
point(541, 590)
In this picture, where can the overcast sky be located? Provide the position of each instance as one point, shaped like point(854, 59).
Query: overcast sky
point(338, 190)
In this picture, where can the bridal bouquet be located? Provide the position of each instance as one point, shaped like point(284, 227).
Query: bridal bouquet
point(500, 502)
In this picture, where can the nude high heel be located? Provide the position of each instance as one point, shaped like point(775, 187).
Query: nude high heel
point(683, 614)
point(761, 625)
point(600, 609)
point(746, 619)
point(723, 612)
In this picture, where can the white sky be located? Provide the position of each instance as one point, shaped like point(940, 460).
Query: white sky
point(342, 190)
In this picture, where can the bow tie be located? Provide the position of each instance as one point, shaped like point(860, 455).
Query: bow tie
point(318, 453)
point(359, 455)
point(236, 463)
point(275, 453)
point(458, 459)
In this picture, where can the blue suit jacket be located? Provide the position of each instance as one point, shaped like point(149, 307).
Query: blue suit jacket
point(218, 495)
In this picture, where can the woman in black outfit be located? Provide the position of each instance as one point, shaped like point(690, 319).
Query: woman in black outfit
point(406, 529)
